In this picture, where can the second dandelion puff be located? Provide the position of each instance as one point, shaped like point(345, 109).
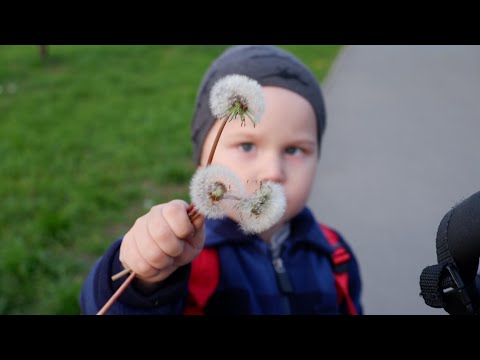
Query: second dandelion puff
point(262, 209)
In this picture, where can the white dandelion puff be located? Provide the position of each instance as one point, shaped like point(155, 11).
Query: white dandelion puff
point(262, 209)
point(237, 95)
point(214, 189)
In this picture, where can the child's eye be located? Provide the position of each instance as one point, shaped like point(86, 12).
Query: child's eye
point(247, 147)
point(293, 150)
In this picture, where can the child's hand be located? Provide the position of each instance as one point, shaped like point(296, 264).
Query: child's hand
point(161, 241)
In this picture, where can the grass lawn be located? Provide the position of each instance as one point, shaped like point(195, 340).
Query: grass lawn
point(90, 139)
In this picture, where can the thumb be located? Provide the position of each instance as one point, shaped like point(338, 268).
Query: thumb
point(198, 220)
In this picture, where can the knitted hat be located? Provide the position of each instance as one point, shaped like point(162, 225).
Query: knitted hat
point(270, 66)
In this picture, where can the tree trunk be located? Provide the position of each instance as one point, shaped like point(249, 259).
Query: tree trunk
point(43, 52)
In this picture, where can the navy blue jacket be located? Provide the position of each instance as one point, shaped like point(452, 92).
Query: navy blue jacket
point(247, 281)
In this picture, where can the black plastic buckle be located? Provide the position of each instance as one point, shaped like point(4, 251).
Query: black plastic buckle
point(460, 293)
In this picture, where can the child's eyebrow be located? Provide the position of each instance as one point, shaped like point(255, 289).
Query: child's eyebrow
point(304, 142)
point(241, 136)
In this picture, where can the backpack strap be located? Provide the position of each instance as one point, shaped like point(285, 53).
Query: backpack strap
point(340, 260)
point(204, 278)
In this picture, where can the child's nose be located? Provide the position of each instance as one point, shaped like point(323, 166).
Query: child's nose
point(272, 169)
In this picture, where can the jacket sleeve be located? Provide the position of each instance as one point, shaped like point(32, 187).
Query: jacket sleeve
point(355, 283)
point(168, 299)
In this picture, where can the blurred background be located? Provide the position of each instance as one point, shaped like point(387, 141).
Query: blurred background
point(90, 138)
point(401, 149)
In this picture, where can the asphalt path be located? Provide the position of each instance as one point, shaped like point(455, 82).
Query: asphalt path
point(402, 147)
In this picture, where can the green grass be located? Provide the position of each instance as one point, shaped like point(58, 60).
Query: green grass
point(89, 140)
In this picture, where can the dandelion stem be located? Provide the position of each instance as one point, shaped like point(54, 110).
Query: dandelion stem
point(120, 274)
point(117, 294)
point(231, 197)
point(194, 216)
point(214, 146)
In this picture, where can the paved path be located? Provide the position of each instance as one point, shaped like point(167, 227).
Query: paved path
point(402, 147)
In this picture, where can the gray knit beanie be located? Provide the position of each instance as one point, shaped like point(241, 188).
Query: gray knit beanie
point(270, 66)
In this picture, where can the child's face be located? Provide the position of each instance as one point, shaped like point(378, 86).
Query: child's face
point(281, 148)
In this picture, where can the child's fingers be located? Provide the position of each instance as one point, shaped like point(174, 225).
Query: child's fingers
point(131, 258)
point(198, 238)
point(198, 222)
point(148, 247)
point(193, 245)
point(127, 251)
point(161, 232)
point(175, 214)
point(189, 231)
point(188, 255)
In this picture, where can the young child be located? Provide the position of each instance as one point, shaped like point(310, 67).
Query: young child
point(209, 266)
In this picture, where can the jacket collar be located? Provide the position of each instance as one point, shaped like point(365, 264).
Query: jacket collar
point(303, 229)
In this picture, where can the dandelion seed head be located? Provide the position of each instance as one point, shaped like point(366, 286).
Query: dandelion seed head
point(216, 191)
point(237, 95)
point(262, 209)
point(212, 189)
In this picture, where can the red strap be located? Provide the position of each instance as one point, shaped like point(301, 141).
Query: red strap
point(203, 281)
point(340, 255)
